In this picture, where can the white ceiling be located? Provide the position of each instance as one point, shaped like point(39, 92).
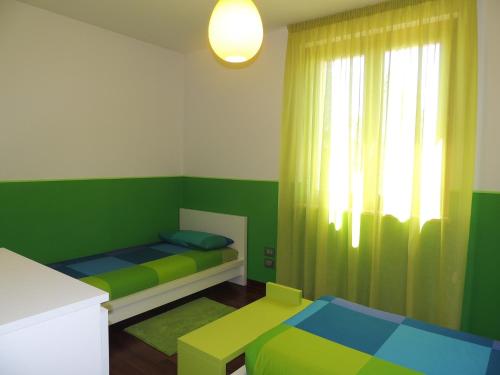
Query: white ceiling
point(181, 25)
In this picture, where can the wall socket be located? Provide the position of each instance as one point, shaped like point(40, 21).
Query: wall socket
point(269, 252)
point(269, 263)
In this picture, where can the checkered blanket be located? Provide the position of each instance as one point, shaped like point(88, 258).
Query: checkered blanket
point(127, 271)
point(334, 336)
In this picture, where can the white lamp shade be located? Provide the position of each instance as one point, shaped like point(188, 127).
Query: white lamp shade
point(235, 30)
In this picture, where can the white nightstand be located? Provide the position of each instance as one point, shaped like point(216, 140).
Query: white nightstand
point(50, 323)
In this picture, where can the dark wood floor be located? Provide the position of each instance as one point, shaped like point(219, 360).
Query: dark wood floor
point(129, 355)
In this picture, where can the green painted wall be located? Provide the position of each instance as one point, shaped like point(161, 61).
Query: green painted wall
point(481, 310)
point(50, 221)
point(55, 220)
point(258, 200)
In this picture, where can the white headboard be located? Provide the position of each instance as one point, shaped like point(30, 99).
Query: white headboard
point(232, 226)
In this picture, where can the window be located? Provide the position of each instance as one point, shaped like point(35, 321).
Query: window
point(346, 169)
point(411, 147)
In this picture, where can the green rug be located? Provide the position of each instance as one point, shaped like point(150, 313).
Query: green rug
point(162, 331)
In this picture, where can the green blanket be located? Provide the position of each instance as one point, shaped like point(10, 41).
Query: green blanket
point(127, 271)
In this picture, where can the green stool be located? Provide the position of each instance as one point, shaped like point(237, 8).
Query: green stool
point(208, 349)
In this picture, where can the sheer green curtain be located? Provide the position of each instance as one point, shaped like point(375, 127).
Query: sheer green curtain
point(378, 145)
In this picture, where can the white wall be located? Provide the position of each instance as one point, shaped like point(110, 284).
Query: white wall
point(233, 115)
point(488, 142)
point(232, 121)
point(78, 101)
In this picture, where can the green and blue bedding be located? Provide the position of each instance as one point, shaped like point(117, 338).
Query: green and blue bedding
point(127, 271)
point(333, 336)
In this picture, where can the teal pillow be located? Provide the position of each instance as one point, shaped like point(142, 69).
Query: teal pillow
point(199, 240)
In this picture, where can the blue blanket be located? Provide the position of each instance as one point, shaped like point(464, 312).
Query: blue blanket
point(335, 336)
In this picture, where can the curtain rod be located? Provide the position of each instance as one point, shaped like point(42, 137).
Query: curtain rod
point(355, 13)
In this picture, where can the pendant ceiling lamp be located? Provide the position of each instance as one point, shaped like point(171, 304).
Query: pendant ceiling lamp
point(235, 30)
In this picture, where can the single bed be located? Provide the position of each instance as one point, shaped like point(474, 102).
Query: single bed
point(334, 336)
point(141, 278)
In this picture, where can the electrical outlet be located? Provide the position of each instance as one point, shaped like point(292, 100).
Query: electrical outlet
point(269, 263)
point(269, 252)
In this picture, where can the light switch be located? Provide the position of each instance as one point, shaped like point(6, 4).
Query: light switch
point(269, 252)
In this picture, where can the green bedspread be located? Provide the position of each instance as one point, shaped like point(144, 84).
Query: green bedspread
point(337, 337)
point(124, 272)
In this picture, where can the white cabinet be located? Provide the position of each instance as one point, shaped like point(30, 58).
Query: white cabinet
point(50, 323)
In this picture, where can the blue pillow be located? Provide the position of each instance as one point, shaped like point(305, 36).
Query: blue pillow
point(199, 240)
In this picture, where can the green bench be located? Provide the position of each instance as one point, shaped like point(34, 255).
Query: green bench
point(207, 350)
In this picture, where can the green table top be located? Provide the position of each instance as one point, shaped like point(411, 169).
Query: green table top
point(228, 337)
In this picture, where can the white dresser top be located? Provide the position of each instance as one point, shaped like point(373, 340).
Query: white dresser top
point(31, 293)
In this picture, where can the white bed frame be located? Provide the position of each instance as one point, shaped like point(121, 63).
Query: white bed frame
point(234, 227)
point(240, 371)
